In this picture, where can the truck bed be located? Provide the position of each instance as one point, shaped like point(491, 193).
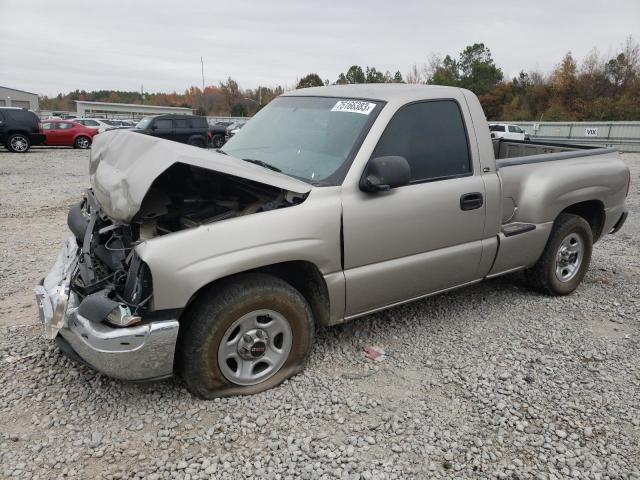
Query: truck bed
point(514, 152)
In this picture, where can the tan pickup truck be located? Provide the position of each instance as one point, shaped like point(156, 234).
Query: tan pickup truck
point(330, 204)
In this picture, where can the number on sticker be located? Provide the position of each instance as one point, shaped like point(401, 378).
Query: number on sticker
point(354, 106)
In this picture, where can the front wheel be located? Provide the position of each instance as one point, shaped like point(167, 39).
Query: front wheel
point(566, 257)
point(197, 142)
point(243, 336)
point(82, 142)
point(18, 143)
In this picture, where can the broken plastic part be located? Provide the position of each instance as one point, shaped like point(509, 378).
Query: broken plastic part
point(122, 317)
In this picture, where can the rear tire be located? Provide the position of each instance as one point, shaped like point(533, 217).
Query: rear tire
point(217, 141)
point(244, 335)
point(566, 257)
point(18, 143)
point(82, 142)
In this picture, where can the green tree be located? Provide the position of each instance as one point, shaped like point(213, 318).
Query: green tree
point(397, 78)
point(238, 110)
point(353, 75)
point(373, 76)
point(445, 72)
point(478, 71)
point(310, 80)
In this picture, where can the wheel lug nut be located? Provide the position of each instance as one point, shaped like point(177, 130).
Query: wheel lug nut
point(260, 334)
point(247, 338)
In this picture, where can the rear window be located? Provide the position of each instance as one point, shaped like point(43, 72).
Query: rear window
point(21, 116)
point(496, 128)
point(199, 122)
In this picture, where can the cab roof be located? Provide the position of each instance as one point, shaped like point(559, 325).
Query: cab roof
point(379, 91)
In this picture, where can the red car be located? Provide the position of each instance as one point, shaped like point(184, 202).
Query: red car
point(63, 133)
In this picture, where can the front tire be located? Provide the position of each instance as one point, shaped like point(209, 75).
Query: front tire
point(243, 336)
point(82, 142)
point(18, 143)
point(197, 142)
point(566, 257)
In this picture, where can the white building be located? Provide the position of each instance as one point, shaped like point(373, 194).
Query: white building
point(10, 97)
point(124, 110)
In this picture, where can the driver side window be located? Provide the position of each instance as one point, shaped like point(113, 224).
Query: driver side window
point(431, 135)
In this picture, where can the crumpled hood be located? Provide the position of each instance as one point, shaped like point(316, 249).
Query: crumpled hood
point(124, 164)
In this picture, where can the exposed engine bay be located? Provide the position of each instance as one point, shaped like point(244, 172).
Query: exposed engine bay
point(115, 284)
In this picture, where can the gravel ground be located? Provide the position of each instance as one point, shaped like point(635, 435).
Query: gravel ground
point(489, 381)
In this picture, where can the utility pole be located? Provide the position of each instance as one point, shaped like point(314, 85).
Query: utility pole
point(202, 65)
point(142, 94)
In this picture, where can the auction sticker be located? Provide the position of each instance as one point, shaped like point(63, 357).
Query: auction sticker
point(354, 106)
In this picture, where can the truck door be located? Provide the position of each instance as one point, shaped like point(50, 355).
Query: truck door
point(423, 237)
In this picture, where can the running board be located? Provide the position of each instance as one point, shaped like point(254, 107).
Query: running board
point(516, 228)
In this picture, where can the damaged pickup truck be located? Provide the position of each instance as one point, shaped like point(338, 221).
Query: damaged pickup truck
point(330, 204)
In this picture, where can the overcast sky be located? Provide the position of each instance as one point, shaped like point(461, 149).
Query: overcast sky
point(50, 47)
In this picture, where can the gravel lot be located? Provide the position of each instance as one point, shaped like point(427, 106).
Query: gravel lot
point(489, 381)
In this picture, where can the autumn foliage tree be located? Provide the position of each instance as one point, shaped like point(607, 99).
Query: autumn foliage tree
point(598, 88)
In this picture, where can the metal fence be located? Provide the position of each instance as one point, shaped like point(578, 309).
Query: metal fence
point(624, 136)
point(214, 120)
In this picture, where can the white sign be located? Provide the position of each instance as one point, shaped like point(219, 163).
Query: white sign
point(591, 132)
point(354, 106)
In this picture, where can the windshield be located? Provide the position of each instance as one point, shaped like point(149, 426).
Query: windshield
point(310, 138)
point(144, 123)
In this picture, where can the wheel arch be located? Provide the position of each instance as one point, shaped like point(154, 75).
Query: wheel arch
point(302, 275)
point(592, 211)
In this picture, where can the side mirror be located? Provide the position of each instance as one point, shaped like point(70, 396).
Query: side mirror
point(385, 173)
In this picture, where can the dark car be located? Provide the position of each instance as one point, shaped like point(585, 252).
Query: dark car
point(219, 132)
point(189, 129)
point(19, 129)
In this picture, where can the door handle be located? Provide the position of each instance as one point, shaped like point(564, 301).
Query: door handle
point(471, 201)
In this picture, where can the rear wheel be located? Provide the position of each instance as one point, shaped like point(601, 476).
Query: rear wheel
point(243, 336)
point(82, 142)
point(18, 143)
point(217, 140)
point(565, 259)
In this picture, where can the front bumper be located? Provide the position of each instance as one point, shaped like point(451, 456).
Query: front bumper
point(138, 353)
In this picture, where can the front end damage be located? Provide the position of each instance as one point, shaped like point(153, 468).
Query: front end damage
point(97, 300)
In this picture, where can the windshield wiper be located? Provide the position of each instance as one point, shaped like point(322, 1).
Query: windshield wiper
point(218, 150)
point(262, 164)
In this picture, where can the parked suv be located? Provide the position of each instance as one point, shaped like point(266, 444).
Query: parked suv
point(179, 128)
point(19, 129)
